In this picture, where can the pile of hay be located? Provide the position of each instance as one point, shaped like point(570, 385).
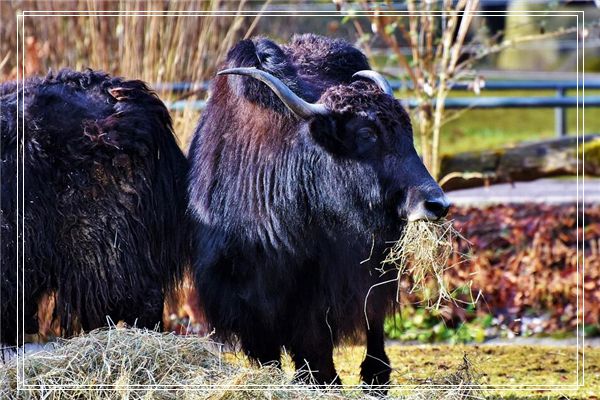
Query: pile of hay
point(422, 254)
point(130, 363)
point(126, 363)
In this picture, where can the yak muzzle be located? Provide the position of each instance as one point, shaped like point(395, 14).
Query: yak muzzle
point(431, 210)
point(428, 205)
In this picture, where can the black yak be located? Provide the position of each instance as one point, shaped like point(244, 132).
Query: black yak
point(100, 202)
point(301, 170)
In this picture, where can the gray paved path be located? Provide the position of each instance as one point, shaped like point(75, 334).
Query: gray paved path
point(521, 341)
point(562, 190)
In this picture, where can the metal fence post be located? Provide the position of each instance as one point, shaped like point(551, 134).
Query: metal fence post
point(560, 115)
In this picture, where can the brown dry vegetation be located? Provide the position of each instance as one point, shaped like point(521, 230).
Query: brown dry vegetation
point(524, 261)
point(155, 48)
point(524, 268)
point(152, 47)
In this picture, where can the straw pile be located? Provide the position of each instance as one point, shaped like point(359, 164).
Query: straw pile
point(421, 254)
point(130, 363)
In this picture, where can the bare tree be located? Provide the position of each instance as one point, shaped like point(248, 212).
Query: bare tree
point(441, 54)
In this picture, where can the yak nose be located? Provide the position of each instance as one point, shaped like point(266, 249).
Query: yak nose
point(437, 207)
point(431, 209)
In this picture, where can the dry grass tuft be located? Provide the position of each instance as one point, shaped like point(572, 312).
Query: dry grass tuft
point(422, 253)
point(464, 383)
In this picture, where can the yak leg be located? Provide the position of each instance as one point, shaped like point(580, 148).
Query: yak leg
point(144, 313)
point(8, 321)
point(375, 369)
point(258, 347)
point(313, 358)
point(31, 310)
point(150, 315)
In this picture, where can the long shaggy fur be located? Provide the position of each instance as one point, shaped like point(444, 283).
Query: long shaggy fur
point(103, 217)
point(293, 223)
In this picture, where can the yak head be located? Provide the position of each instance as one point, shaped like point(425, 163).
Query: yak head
point(363, 122)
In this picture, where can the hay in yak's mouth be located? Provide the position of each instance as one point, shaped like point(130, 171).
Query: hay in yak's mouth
point(422, 254)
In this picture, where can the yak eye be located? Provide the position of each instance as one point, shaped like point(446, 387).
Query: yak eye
point(367, 134)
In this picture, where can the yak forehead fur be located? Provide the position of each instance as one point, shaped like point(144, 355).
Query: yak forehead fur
point(366, 100)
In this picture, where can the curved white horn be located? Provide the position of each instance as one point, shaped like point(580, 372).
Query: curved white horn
point(297, 105)
point(376, 77)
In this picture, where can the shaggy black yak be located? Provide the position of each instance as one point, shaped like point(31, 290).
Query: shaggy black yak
point(302, 167)
point(99, 203)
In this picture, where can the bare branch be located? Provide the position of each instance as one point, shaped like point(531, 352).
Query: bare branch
point(518, 40)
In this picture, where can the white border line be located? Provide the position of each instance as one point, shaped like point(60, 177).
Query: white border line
point(582, 192)
point(577, 204)
point(50, 13)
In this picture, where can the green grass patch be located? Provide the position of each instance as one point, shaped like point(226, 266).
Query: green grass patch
point(496, 365)
point(428, 326)
point(494, 128)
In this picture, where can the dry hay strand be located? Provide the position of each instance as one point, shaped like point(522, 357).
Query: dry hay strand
point(121, 363)
point(463, 384)
point(422, 253)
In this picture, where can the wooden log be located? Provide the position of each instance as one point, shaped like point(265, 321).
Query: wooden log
point(522, 163)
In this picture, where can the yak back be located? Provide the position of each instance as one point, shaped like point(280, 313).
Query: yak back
point(105, 222)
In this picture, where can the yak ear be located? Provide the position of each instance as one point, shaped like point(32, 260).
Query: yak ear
point(326, 132)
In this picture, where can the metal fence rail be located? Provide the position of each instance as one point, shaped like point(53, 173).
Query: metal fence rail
point(517, 102)
point(182, 87)
point(560, 102)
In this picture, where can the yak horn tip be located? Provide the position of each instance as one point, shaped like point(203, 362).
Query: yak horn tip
point(295, 103)
point(230, 71)
point(377, 78)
